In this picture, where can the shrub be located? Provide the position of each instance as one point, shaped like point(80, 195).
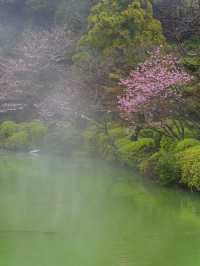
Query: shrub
point(22, 136)
point(18, 141)
point(185, 144)
point(167, 168)
point(105, 146)
point(148, 166)
point(190, 60)
point(35, 130)
point(190, 167)
point(133, 152)
point(8, 128)
point(120, 143)
point(191, 133)
point(150, 133)
point(101, 143)
point(118, 132)
point(125, 148)
point(167, 144)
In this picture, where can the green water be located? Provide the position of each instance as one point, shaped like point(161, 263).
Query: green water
point(55, 212)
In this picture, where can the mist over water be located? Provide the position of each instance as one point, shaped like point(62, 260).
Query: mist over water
point(74, 210)
point(87, 212)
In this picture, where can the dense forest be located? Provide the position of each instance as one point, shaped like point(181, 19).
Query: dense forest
point(119, 79)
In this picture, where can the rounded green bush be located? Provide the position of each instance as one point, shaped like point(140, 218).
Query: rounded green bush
point(18, 141)
point(191, 133)
point(150, 133)
point(101, 143)
point(185, 144)
point(167, 168)
point(117, 132)
point(148, 166)
point(167, 144)
point(190, 167)
point(123, 142)
point(21, 136)
point(8, 128)
point(133, 152)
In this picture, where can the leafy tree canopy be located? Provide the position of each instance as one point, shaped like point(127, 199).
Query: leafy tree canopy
point(116, 28)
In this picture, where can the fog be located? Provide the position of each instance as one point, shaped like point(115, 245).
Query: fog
point(37, 43)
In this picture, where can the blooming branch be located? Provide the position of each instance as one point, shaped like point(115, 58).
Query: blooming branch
point(157, 78)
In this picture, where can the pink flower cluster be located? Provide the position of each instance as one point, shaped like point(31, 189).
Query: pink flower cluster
point(156, 78)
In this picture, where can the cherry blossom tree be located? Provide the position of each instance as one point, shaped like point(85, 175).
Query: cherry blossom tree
point(153, 88)
point(157, 77)
point(36, 68)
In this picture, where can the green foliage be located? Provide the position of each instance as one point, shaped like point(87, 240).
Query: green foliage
point(22, 136)
point(162, 166)
point(8, 128)
point(165, 165)
point(190, 167)
point(116, 30)
point(117, 131)
point(134, 152)
point(191, 63)
point(167, 144)
point(185, 144)
point(101, 143)
point(106, 147)
point(18, 141)
point(191, 59)
point(175, 162)
point(104, 143)
point(150, 133)
point(167, 168)
point(148, 166)
point(170, 162)
point(191, 133)
point(36, 131)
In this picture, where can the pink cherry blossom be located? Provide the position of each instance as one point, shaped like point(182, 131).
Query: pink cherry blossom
point(159, 77)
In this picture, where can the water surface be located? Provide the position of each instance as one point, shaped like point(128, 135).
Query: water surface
point(59, 212)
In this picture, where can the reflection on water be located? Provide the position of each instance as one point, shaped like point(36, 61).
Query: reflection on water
point(55, 212)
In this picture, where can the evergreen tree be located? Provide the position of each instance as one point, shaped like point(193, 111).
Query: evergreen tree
point(121, 30)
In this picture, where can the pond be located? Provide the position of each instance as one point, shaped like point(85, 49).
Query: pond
point(84, 212)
